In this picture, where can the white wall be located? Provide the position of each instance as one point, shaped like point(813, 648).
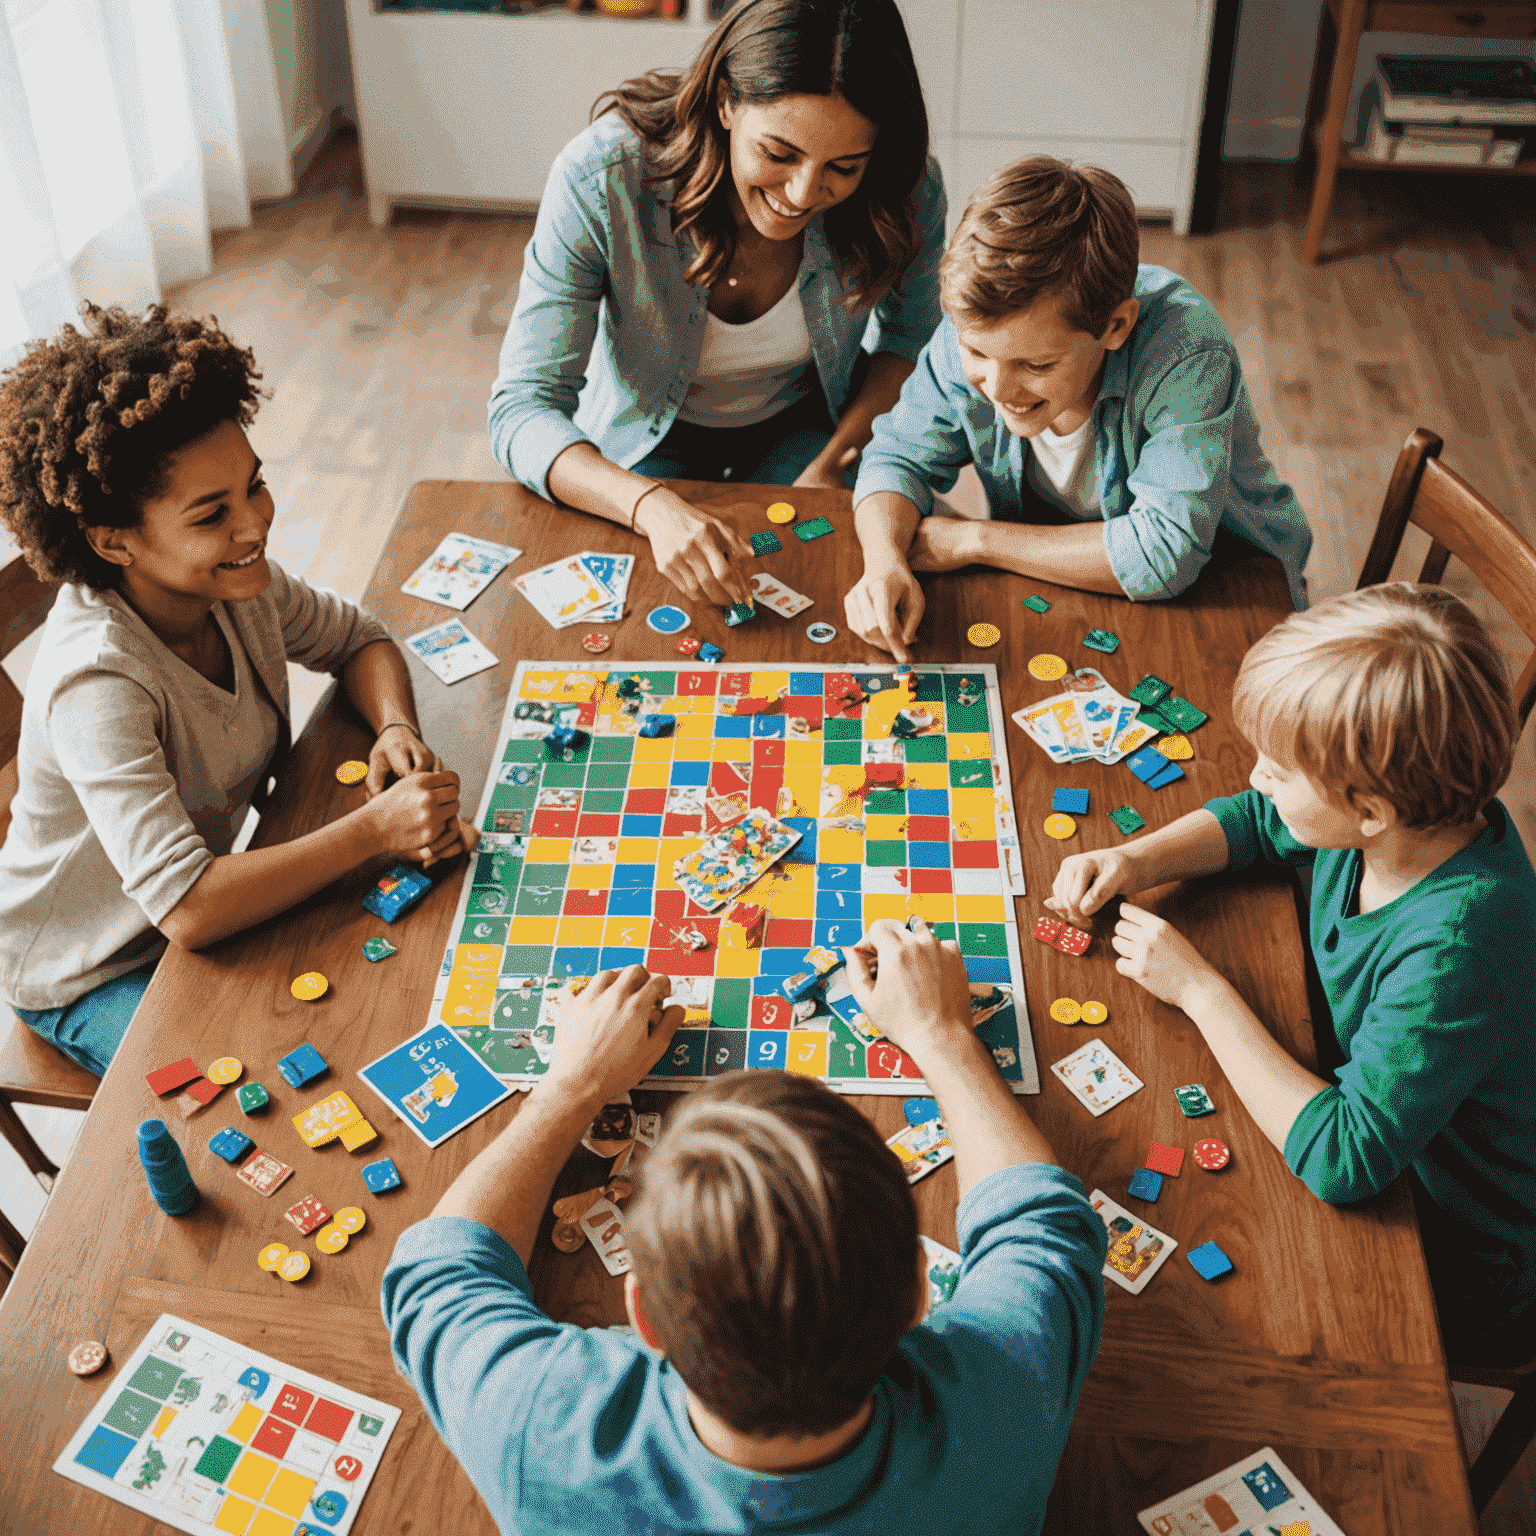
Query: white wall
point(314, 70)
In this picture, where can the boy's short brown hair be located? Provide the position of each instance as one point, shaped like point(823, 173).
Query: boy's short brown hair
point(1395, 691)
point(775, 1244)
point(1041, 226)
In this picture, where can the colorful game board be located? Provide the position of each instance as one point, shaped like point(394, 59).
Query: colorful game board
point(207, 1435)
point(578, 847)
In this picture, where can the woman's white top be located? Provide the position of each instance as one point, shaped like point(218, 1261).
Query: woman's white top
point(750, 372)
point(1064, 471)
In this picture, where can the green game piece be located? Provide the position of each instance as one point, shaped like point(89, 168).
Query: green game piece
point(817, 528)
point(378, 949)
point(1127, 820)
point(1038, 604)
point(739, 613)
point(1184, 714)
point(1150, 715)
point(1151, 690)
point(766, 542)
point(368, 1425)
point(1105, 640)
point(1194, 1100)
point(251, 1097)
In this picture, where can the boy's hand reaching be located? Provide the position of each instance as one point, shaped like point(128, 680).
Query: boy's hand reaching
point(1086, 881)
point(921, 991)
point(611, 1034)
point(885, 606)
point(1158, 956)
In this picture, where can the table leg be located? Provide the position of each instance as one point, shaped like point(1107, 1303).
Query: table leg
point(1349, 29)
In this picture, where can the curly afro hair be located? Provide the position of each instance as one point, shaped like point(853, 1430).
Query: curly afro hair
point(88, 421)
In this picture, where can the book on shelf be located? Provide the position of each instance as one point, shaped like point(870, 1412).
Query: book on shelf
point(1382, 136)
point(1459, 91)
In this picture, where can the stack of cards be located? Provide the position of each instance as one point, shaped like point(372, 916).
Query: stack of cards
point(459, 569)
point(1089, 722)
point(921, 1148)
point(588, 588)
point(774, 594)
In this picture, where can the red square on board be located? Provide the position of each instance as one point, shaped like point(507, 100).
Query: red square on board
point(586, 714)
point(1165, 1159)
point(173, 1076)
point(676, 824)
point(729, 778)
point(552, 823)
point(645, 802)
point(735, 684)
point(931, 882)
point(584, 903)
point(1047, 930)
point(292, 1404)
point(789, 933)
point(766, 783)
point(981, 854)
point(692, 685)
point(1073, 941)
point(328, 1420)
point(885, 775)
point(886, 1059)
point(807, 708)
point(272, 1438)
point(768, 752)
point(928, 829)
point(669, 907)
point(773, 1012)
point(589, 825)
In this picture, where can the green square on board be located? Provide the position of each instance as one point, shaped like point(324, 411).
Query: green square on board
point(601, 802)
point(885, 802)
point(662, 684)
point(489, 900)
point(132, 1413)
point(512, 1010)
point(523, 752)
point(890, 855)
point(606, 776)
point(483, 929)
point(612, 749)
point(928, 749)
point(983, 939)
point(928, 687)
point(843, 730)
point(965, 717)
point(970, 773)
point(564, 775)
point(155, 1377)
point(842, 752)
point(527, 959)
point(217, 1462)
point(731, 1005)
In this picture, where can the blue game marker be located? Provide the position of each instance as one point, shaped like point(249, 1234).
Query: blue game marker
point(667, 620)
point(381, 1176)
point(1209, 1261)
point(1145, 1184)
point(302, 1066)
point(1169, 775)
point(231, 1144)
point(1073, 801)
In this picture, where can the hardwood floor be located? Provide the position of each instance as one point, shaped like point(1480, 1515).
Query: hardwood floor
point(379, 347)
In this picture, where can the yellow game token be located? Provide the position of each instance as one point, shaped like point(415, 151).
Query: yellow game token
point(309, 986)
point(1176, 748)
point(331, 1238)
point(983, 635)
point(1060, 826)
point(293, 1266)
point(350, 1219)
point(1047, 667)
point(1094, 1013)
point(272, 1255)
point(352, 773)
point(225, 1070)
point(1065, 1011)
point(781, 512)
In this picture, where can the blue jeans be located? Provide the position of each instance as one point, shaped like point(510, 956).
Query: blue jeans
point(90, 1029)
point(773, 452)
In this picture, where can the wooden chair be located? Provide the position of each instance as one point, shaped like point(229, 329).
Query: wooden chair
point(1424, 492)
point(1511, 1435)
point(31, 1071)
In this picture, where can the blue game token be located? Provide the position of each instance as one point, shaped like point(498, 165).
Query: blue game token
point(1209, 1261)
point(821, 632)
point(381, 1176)
point(667, 620)
point(1145, 1184)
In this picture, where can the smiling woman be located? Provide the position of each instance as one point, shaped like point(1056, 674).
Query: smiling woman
point(157, 708)
point(733, 271)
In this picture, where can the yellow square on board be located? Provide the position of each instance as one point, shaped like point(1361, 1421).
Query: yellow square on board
point(806, 783)
point(692, 749)
point(163, 1422)
point(240, 1428)
point(626, 932)
point(691, 726)
point(290, 1492)
point(981, 909)
point(639, 850)
point(971, 802)
point(696, 704)
point(234, 1515)
point(469, 1001)
point(839, 846)
point(549, 850)
point(251, 1475)
point(650, 775)
point(845, 775)
point(788, 901)
point(589, 877)
point(525, 928)
point(737, 960)
point(969, 744)
point(269, 1523)
point(885, 829)
point(542, 685)
point(769, 685)
point(876, 907)
point(653, 749)
point(732, 749)
point(807, 1052)
point(931, 906)
point(803, 754)
point(927, 776)
point(973, 829)
point(669, 851)
point(880, 711)
point(580, 931)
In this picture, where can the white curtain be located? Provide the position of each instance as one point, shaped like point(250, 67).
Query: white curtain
point(128, 130)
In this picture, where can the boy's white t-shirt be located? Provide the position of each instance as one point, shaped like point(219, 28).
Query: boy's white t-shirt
point(1064, 471)
point(750, 372)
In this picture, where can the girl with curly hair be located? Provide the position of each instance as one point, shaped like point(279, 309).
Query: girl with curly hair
point(157, 707)
point(732, 272)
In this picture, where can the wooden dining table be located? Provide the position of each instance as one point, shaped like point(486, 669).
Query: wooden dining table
point(1322, 1343)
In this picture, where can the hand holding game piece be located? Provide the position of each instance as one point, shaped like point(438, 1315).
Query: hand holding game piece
point(417, 817)
point(398, 752)
point(1158, 956)
point(697, 553)
point(918, 991)
point(1085, 881)
point(885, 606)
point(610, 1036)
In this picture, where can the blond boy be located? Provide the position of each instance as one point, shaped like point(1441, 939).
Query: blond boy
point(1384, 726)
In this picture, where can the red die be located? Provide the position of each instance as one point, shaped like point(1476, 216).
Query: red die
point(1047, 930)
point(1073, 941)
point(1212, 1155)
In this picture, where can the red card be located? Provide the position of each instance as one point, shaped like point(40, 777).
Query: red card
point(1072, 941)
point(1047, 930)
point(173, 1076)
point(204, 1091)
point(1165, 1159)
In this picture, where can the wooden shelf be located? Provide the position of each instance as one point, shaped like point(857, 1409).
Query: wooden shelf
point(1353, 160)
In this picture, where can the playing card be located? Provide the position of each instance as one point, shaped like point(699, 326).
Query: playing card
point(458, 570)
point(450, 651)
point(921, 1148)
point(774, 594)
point(613, 572)
point(1258, 1493)
point(1096, 1077)
point(565, 592)
point(943, 1270)
point(1039, 723)
point(727, 863)
point(1136, 1250)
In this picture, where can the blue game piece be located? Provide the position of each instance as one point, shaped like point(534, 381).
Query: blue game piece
point(302, 1066)
point(1210, 1262)
point(667, 620)
point(1169, 775)
point(1146, 764)
point(708, 652)
point(1073, 801)
point(381, 1176)
point(918, 1111)
point(563, 739)
point(801, 986)
point(231, 1144)
point(657, 725)
point(1145, 1184)
point(170, 1180)
point(397, 892)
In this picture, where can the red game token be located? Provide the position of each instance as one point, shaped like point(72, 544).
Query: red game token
point(1212, 1155)
point(596, 643)
point(689, 646)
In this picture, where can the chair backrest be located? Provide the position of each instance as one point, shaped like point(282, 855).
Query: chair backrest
point(24, 603)
point(1424, 492)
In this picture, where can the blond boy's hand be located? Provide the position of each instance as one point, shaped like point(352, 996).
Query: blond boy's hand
point(610, 1035)
point(1086, 881)
point(1158, 956)
point(921, 990)
point(885, 606)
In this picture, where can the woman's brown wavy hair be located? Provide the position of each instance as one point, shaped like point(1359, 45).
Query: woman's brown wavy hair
point(764, 50)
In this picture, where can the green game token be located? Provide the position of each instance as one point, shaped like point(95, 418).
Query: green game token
point(1038, 604)
point(252, 1096)
point(1105, 640)
point(1159, 721)
point(766, 542)
point(1127, 820)
point(739, 613)
point(817, 528)
point(1151, 691)
point(1194, 1100)
point(378, 949)
point(1184, 714)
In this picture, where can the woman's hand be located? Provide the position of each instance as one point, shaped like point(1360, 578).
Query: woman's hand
point(885, 606)
point(943, 544)
point(701, 556)
point(417, 817)
point(397, 753)
point(1086, 881)
point(828, 473)
point(1158, 956)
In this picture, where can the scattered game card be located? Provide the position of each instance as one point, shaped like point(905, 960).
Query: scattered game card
point(1096, 1077)
point(733, 859)
point(943, 1271)
point(459, 570)
point(1259, 1493)
point(774, 594)
point(1136, 1250)
point(603, 1224)
point(450, 651)
point(565, 592)
point(921, 1148)
point(202, 1433)
point(1089, 721)
point(263, 1172)
point(613, 572)
point(435, 1083)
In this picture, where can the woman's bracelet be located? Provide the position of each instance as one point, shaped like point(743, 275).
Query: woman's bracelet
point(408, 726)
point(655, 485)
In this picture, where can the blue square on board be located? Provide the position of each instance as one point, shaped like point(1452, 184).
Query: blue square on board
point(768, 725)
point(302, 1066)
point(804, 852)
point(575, 960)
point(836, 935)
point(779, 963)
point(839, 877)
point(104, 1451)
point(381, 1176)
point(690, 773)
point(927, 802)
point(767, 1048)
point(1209, 1261)
point(833, 905)
point(729, 727)
point(987, 968)
point(1073, 801)
point(632, 876)
point(928, 855)
point(805, 685)
point(1145, 1184)
point(630, 901)
point(640, 826)
point(617, 959)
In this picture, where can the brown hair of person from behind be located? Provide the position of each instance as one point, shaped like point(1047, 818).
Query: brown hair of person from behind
point(89, 418)
point(1038, 227)
point(775, 1244)
point(763, 50)
point(1395, 691)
